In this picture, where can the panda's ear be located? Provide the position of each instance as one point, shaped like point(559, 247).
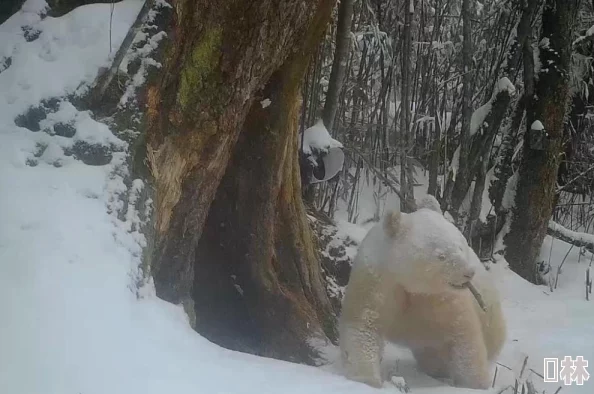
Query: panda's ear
point(429, 202)
point(393, 223)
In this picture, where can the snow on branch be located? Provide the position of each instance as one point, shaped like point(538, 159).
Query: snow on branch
point(572, 237)
point(499, 100)
point(504, 85)
point(589, 35)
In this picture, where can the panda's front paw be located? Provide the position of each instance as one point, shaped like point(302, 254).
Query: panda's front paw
point(369, 376)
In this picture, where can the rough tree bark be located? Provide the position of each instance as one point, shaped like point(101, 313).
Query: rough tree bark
point(463, 174)
point(480, 151)
point(341, 52)
point(232, 240)
point(535, 191)
point(434, 161)
point(520, 51)
point(434, 157)
point(407, 199)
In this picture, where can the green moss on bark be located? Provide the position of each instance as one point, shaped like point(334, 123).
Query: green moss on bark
point(198, 75)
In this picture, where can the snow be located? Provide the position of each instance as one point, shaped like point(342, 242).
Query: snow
point(510, 192)
point(583, 237)
point(449, 217)
point(589, 33)
point(486, 206)
point(550, 324)
point(57, 52)
point(265, 103)
point(77, 316)
point(146, 62)
point(374, 198)
point(479, 8)
point(455, 163)
point(317, 138)
point(505, 84)
point(537, 125)
point(478, 117)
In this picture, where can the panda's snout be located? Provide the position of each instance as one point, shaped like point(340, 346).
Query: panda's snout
point(469, 274)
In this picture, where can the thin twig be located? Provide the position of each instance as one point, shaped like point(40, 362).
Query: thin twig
point(575, 179)
point(374, 170)
point(477, 295)
point(494, 377)
point(523, 366)
point(536, 373)
point(504, 366)
point(588, 282)
point(561, 266)
point(503, 389)
point(111, 10)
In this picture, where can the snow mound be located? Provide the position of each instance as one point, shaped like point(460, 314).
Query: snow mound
point(505, 84)
point(537, 126)
point(317, 139)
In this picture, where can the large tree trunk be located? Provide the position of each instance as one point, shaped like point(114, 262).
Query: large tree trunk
point(535, 190)
point(232, 240)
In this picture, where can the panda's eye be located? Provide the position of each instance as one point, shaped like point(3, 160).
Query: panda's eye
point(441, 257)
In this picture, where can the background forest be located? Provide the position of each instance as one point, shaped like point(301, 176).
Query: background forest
point(466, 111)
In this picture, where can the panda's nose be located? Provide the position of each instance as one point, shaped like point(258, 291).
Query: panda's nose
point(469, 274)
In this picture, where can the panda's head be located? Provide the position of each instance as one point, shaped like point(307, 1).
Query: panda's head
point(428, 253)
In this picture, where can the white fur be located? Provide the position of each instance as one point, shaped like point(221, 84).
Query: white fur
point(401, 289)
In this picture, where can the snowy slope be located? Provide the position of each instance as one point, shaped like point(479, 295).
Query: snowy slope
point(73, 319)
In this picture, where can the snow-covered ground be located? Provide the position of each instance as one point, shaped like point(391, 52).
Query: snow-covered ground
point(74, 320)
